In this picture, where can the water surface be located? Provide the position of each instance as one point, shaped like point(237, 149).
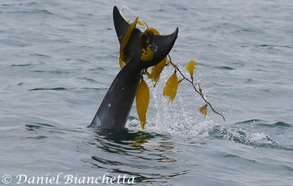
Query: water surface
point(58, 59)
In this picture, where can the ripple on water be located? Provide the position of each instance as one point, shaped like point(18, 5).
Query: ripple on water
point(225, 68)
point(34, 11)
point(20, 65)
point(51, 71)
point(263, 123)
point(38, 126)
point(55, 89)
point(136, 154)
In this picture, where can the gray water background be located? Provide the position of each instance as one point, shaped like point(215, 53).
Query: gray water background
point(58, 58)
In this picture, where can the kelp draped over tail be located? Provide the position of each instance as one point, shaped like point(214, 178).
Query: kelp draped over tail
point(147, 55)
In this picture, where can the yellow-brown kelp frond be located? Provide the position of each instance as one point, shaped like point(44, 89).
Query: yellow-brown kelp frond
point(142, 101)
point(203, 110)
point(124, 42)
point(147, 54)
point(156, 70)
point(152, 31)
point(171, 87)
point(190, 68)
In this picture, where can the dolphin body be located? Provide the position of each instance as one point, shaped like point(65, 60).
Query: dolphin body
point(117, 103)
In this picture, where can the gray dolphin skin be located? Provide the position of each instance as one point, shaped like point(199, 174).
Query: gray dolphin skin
point(116, 105)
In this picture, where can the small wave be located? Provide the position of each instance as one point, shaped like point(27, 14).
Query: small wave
point(20, 65)
point(51, 72)
point(224, 68)
point(249, 121)
point(38, 125)
point(274, 46)
point(40, 55)
point(91, 88)
point(37, 137)
point(97, 69)
point(241, 136)
point(277, 124)
point(56, 89)
point(21, 4)
point(263, 123)
point(35, 11)
point(240, 158)
point(88, 79)
point(6, 4)
point(63, 89)
point(268, 46)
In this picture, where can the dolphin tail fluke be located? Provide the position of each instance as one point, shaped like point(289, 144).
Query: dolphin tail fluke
point(160, 45)
point(121, 25)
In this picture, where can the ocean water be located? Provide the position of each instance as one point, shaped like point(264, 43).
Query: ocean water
point(58, 58)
